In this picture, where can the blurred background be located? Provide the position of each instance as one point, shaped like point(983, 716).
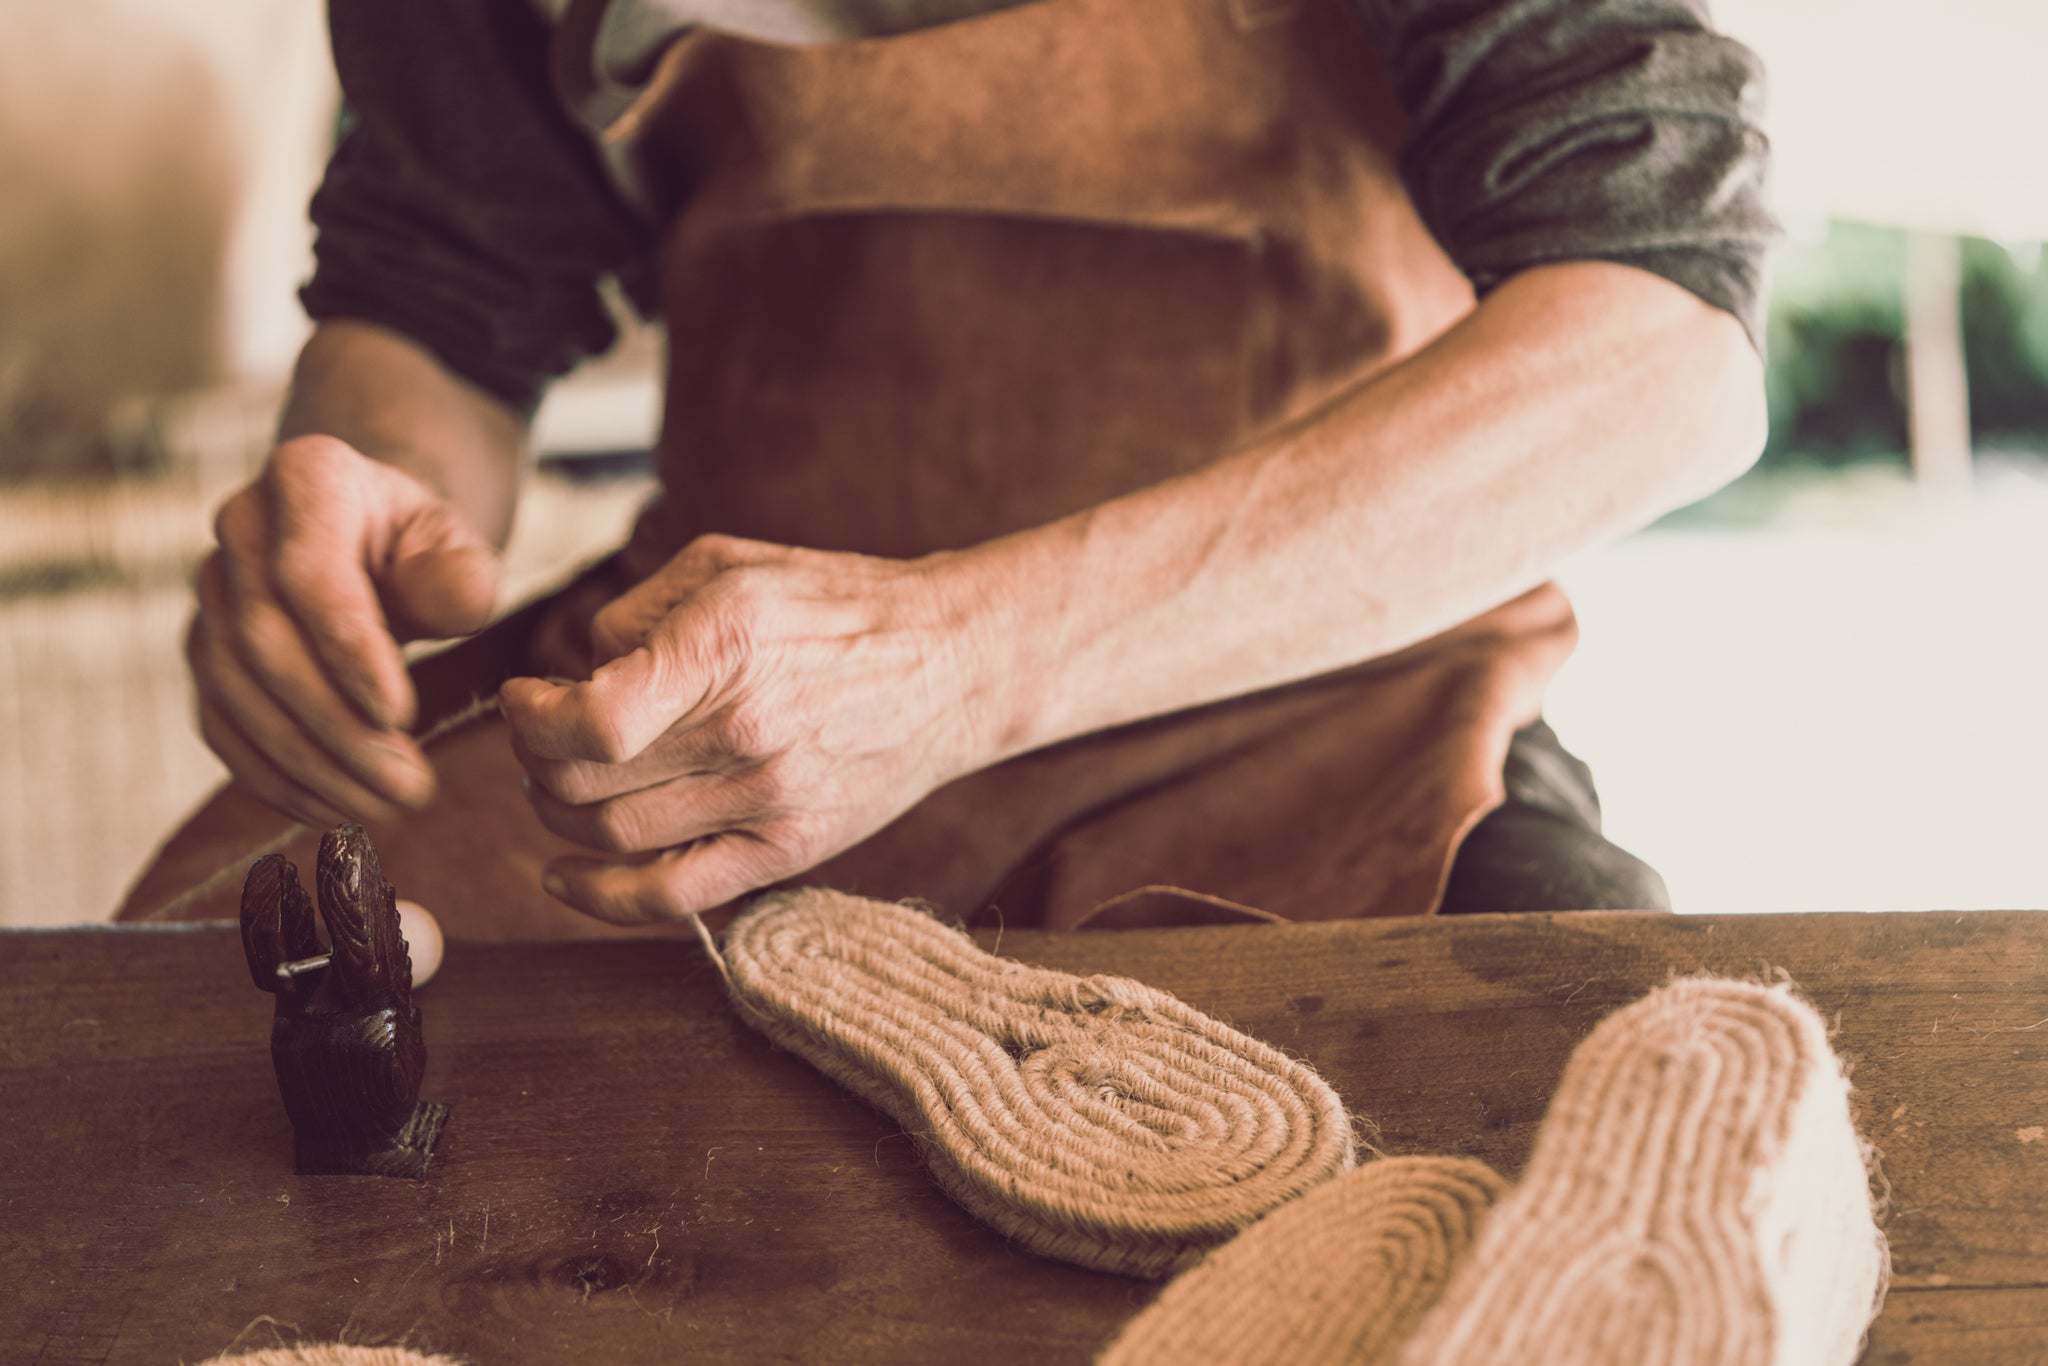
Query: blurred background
point(1817, 690)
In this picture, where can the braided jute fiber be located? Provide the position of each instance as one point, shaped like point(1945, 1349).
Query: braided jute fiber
point(331, 1354)
point(1697, 1197)
point(1092, 1119)
point(1341, 1275)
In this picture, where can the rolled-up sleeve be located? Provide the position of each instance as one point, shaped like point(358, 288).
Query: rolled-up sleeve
point(1543, 131)
point(463, 208)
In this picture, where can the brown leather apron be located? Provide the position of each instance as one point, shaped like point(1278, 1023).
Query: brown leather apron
point(926, 290)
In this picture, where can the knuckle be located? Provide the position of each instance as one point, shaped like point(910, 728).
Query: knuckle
point(763, 858)
point(676, 885)
point(613, 630)
point(745, 588)
point(664, 897)
point(265, 640)
point(311, 459)
point(714, 548)
point(792, 843)
point(300, 577)
point(746, 734)
point(259, 635)
point(328, 621)
point(565, 781)
point(731, 614)
point(618, 828)
point(237, 521)
point(604, 737)
point(762, 789)
point(269, 650)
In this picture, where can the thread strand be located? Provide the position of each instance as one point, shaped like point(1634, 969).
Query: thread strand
point(238, 866)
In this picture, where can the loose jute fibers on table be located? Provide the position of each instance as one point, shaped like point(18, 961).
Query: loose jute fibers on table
point(1697, 1196)
point(331, 1354)
point(1341, 1275)
point(1093, 1119)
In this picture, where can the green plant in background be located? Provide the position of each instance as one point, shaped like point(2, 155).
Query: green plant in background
point(2005, 344)
point(1837, 314)
point(1835, 339)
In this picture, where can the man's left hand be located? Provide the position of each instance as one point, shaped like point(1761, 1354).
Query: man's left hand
point(763, 708)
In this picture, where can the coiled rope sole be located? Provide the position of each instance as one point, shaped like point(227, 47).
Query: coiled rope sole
point(1697, 1197)
point(1341, 1275)
point(1095, 1120)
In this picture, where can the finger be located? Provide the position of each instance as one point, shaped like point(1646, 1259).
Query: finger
point(367, 773)
point(267, 642)
point(235, 596)
point(682, 752)
point(697, 877)
point(622, 626)
point(625, 623)
point(261, 675)
point(623, 708)
point(439, 577)
point(322, 499)
point(259, 777)
point(661, 817)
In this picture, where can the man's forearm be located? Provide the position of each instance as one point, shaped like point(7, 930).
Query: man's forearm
point(390, 399)
point(766, 707)
point(1576, 404)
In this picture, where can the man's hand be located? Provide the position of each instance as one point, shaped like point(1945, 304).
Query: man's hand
point(325, 564)
point(766, 708)
point(763, 709)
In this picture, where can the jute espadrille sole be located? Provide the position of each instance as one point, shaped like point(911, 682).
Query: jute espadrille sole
point(1095, 1120)
point(1341, 1275)
point(1697, 1197)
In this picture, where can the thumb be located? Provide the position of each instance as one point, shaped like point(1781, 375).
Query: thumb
point(624, 707)
point(440, 577)
point(623, 625)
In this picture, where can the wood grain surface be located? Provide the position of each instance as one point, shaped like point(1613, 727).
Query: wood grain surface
point(630, 1175)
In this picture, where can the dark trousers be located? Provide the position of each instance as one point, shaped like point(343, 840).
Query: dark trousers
point(1543, 850)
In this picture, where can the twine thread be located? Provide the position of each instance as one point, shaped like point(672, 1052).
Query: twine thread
point(238, 866)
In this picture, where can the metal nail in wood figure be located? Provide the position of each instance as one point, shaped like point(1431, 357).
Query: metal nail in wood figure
point(346, 1037)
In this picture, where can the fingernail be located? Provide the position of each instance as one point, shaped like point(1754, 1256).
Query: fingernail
point(405, 772)
point(554, 886)
point(370, 701)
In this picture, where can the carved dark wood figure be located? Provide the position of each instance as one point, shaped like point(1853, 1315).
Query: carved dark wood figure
point(346, 1038)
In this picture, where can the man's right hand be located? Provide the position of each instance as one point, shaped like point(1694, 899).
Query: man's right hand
point(325, 564)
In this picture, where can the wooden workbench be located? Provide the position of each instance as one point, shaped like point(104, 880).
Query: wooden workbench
point(631, 1176)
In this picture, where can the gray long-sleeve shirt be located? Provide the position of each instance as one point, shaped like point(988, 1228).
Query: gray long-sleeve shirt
point(465, 209)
